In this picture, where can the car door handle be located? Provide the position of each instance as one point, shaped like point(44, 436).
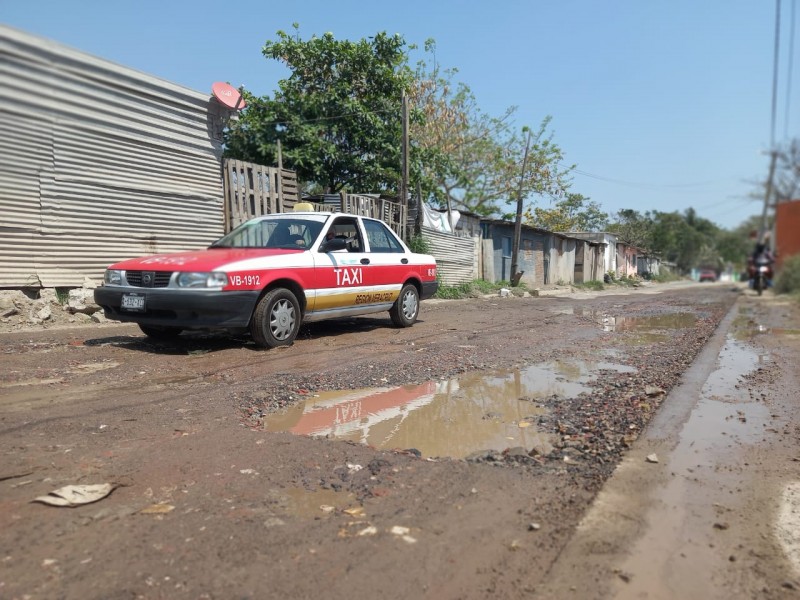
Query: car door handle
point(404, 261)
point(364, 261)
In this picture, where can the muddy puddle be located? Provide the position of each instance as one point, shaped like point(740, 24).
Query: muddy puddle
point(481, 411)
point(725, 417)
point(313, 504)
point(646, 327)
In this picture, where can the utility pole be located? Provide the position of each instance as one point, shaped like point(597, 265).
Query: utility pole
point(767, 197)
point(404, 162)
point(516, 276)
point(773, 153)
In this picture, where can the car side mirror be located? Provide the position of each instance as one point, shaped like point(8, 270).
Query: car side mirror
point(333, 245)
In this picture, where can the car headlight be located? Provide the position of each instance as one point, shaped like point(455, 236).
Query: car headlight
point(202, 280)
point(112, 277)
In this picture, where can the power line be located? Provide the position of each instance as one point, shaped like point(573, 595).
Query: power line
point(775, 72)
point(643, 185)
point(792, 27)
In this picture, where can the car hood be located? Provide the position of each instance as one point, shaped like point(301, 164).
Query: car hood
point(200, 260)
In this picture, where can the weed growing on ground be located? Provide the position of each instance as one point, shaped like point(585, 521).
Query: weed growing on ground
point(788, 280)
point(475, 289)
point(593, 285)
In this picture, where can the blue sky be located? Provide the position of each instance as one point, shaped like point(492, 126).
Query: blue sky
point(661, 105)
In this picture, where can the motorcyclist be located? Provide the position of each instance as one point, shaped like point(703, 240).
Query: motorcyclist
point(761, 255)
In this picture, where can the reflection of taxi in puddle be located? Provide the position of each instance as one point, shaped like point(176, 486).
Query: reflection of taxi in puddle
point(353, 413)
point(271, 274)
point(484, 411)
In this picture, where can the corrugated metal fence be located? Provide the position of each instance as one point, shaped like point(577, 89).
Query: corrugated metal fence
point(82, 144)
point(456, 256)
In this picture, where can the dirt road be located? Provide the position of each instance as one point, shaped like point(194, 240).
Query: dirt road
point(469, 469)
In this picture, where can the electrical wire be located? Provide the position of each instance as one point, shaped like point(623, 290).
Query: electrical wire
point(792, 27)
point(775, 72)
point(642, 185)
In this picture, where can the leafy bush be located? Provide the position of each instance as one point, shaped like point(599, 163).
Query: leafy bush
point(593, 285)
point(665, 276)
point(788, 280)
point(419, 245)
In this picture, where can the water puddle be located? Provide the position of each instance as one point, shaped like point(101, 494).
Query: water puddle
point(655, 322)
point(725, 422)
point(648, 323)
point(480, 411)
point(745, 327)
point(312, 504)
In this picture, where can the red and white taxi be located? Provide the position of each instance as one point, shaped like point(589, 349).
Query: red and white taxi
point(271, 274)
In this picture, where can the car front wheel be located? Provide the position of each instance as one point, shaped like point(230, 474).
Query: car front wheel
point(276, 319)
point(405, 309)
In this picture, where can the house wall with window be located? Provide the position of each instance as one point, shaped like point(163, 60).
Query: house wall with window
point(627, 260)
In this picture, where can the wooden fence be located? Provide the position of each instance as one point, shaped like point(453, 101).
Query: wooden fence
point(253, 190)
point(391, 213)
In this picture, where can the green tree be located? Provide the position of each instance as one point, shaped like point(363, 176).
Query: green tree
point(574, 212)
point(787, 171)
point(337, 115)
point(468, 158)
point(633, 227)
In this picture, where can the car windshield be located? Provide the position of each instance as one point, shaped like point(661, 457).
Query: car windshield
point(297, 233)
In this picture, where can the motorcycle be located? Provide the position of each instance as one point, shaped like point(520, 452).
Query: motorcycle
point(761, 273)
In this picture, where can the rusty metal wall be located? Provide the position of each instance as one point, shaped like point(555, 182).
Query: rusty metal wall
point(787, 230)
point(98, 163)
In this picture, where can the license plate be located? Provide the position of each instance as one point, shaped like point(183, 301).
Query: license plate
point(133, 302)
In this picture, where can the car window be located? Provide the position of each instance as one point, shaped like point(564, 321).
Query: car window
point(380, 237)
point(347, 228)
point(272, 233)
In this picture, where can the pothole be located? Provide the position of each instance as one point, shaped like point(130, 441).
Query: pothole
point(481, 411)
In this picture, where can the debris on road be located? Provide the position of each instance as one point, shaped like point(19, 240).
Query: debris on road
point(76, 495)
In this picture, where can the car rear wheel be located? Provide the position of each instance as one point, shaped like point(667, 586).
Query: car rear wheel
point(276, 319)
point(405, 309)
point(160, 332)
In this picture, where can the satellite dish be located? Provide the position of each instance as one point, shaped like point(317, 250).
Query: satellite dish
point(228, 95)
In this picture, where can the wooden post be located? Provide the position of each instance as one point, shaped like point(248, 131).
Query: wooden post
point(404, 162)
point(418, 219)
point(515, 276)
point(279, 182)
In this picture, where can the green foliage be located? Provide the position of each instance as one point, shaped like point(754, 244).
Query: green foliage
point(419, 244)
point(475, 289)
point(592, 285)
point(665, 277)
point(574, 212)
point(470, 159)
point(62, 295)
point(456, 292)
point(685, 239)
point(337, 115)
point(632, 227)
point(788, 279)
